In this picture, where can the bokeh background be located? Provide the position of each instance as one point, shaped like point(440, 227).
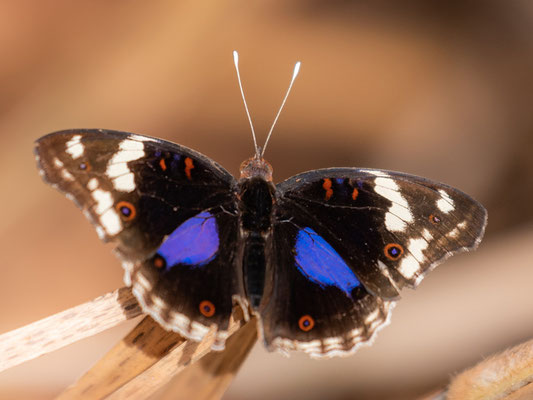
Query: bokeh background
point(438, 89)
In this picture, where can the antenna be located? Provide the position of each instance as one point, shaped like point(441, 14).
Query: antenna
point(258, 152)
point(236, 62)
point(294, 75)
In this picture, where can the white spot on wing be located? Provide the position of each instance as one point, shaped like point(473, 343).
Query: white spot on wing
point(375, 172)
point(445, 203)
point(394, 223)
point(453, 233)
point(416, 246)
point(74, 147)
point(141, 280)
point(58, 163)
point(125, 183)
point(100, 232)
point(111, 222)
point(66, 175)
point(399, 213)
point(372, 316)
point(129, 150)
point(103, 199)
point(114, 170)
point(198, 330)
point(426, 235)
point(309, 345)
point(92, 184)
point(333, 341)
point(410, 264)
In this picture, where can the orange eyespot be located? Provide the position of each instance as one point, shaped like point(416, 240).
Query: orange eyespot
point(159, 262)
point(434, 219)
point(355, 193)
point(327, 187)
point(393, 251)
point(207, 308)
point(126, 210)
point(163, 164)
point(306, 323)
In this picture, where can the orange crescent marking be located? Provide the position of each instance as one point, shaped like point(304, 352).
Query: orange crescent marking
point(434, 219)
point(162, 164)
point(207, 308)
point(189, 164)
point(355, 193)
point(327, 187)
point(309, 320)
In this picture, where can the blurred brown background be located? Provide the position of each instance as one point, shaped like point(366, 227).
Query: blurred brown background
point(438, 89)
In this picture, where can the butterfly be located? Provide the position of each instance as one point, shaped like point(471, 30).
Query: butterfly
point(320, 258)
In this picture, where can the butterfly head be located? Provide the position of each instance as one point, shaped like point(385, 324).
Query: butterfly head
point(256, 167)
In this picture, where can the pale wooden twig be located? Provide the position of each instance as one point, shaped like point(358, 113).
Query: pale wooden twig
point(137, 366)
point(139, 350)
point(209, 378)
point(66, 327)
point(183, 355)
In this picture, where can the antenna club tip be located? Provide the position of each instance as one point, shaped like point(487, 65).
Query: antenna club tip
point(296, 69)
point(235, 56)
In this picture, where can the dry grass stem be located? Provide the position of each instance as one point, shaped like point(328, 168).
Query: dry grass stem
point(508, 375)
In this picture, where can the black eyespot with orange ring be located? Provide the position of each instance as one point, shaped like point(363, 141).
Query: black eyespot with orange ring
point(306, 323)
point(126, 210)
point(207, 308)
point(393, 251)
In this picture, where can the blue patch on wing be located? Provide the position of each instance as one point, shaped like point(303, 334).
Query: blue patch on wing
point(195, 242)
point(320, 263)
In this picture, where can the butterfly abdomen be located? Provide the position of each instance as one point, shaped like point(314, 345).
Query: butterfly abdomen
point(256, 203)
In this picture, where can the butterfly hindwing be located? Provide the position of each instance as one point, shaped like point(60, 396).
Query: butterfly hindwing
point(315, 303)
point(140, 192)
point(189, 283)
point(383, 230)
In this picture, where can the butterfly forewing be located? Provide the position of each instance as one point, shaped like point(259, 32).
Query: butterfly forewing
point(139, 192)
point(133, 188)
point(387, 223)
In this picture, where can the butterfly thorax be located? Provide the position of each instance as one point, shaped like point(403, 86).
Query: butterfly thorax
point(256, 167)
point(256, 194)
